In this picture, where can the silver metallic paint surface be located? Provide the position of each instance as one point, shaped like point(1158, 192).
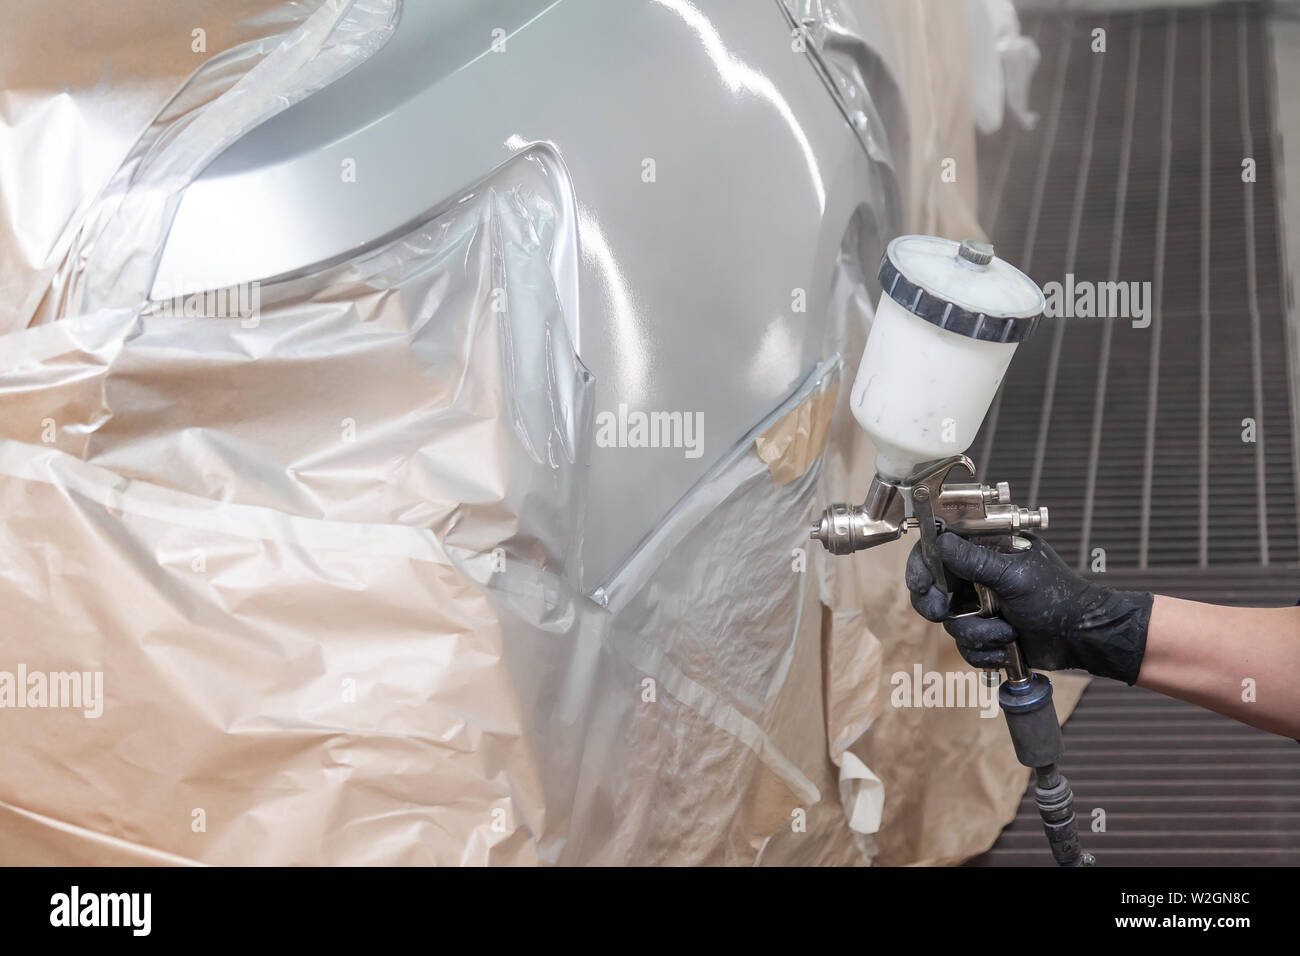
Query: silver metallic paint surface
point(685, 285)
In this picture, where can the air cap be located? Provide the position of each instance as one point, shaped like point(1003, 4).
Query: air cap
point(962, 287)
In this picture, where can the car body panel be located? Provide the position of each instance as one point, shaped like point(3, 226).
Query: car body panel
point(712, 177)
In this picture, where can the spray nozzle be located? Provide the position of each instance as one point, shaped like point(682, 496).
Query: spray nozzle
point(894, 506)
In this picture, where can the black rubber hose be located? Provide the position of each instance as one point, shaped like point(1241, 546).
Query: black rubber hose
point(1055, 802)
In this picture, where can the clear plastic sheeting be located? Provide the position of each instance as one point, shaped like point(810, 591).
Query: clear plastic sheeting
point(924, 51)
point(92, 172)
point(1003, 62)
point(292, 571)
point(339, 624)
point(68, 119)
point(115, 250)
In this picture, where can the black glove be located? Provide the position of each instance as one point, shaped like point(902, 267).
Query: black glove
point(1060, 619)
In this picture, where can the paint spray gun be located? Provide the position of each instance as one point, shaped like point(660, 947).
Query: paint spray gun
point(949, 320)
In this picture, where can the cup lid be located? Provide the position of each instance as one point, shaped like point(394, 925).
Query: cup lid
point(962, 287)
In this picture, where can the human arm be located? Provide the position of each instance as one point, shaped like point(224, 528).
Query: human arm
point(1242, 662)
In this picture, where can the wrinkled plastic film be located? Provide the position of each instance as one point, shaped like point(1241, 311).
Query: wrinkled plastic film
point(344, 623)
point(1003, 62)
point(104, 253)
point(323, 549)
point(69, 121)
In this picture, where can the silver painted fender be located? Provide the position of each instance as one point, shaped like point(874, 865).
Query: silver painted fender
point(713, 172)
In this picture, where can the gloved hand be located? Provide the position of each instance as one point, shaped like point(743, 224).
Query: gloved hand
point(1060, 619)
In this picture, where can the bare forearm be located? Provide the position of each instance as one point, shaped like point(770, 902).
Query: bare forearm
point(1242, 662)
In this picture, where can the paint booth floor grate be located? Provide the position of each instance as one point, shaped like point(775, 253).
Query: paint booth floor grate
point(1130, 428)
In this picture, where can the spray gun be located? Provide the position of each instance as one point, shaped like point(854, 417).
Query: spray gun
point(950, 318)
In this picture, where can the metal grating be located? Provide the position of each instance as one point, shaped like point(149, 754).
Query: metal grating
point(1133, 436)
point(1179, 786)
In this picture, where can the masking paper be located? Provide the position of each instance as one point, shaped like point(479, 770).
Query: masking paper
point(290, 571)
